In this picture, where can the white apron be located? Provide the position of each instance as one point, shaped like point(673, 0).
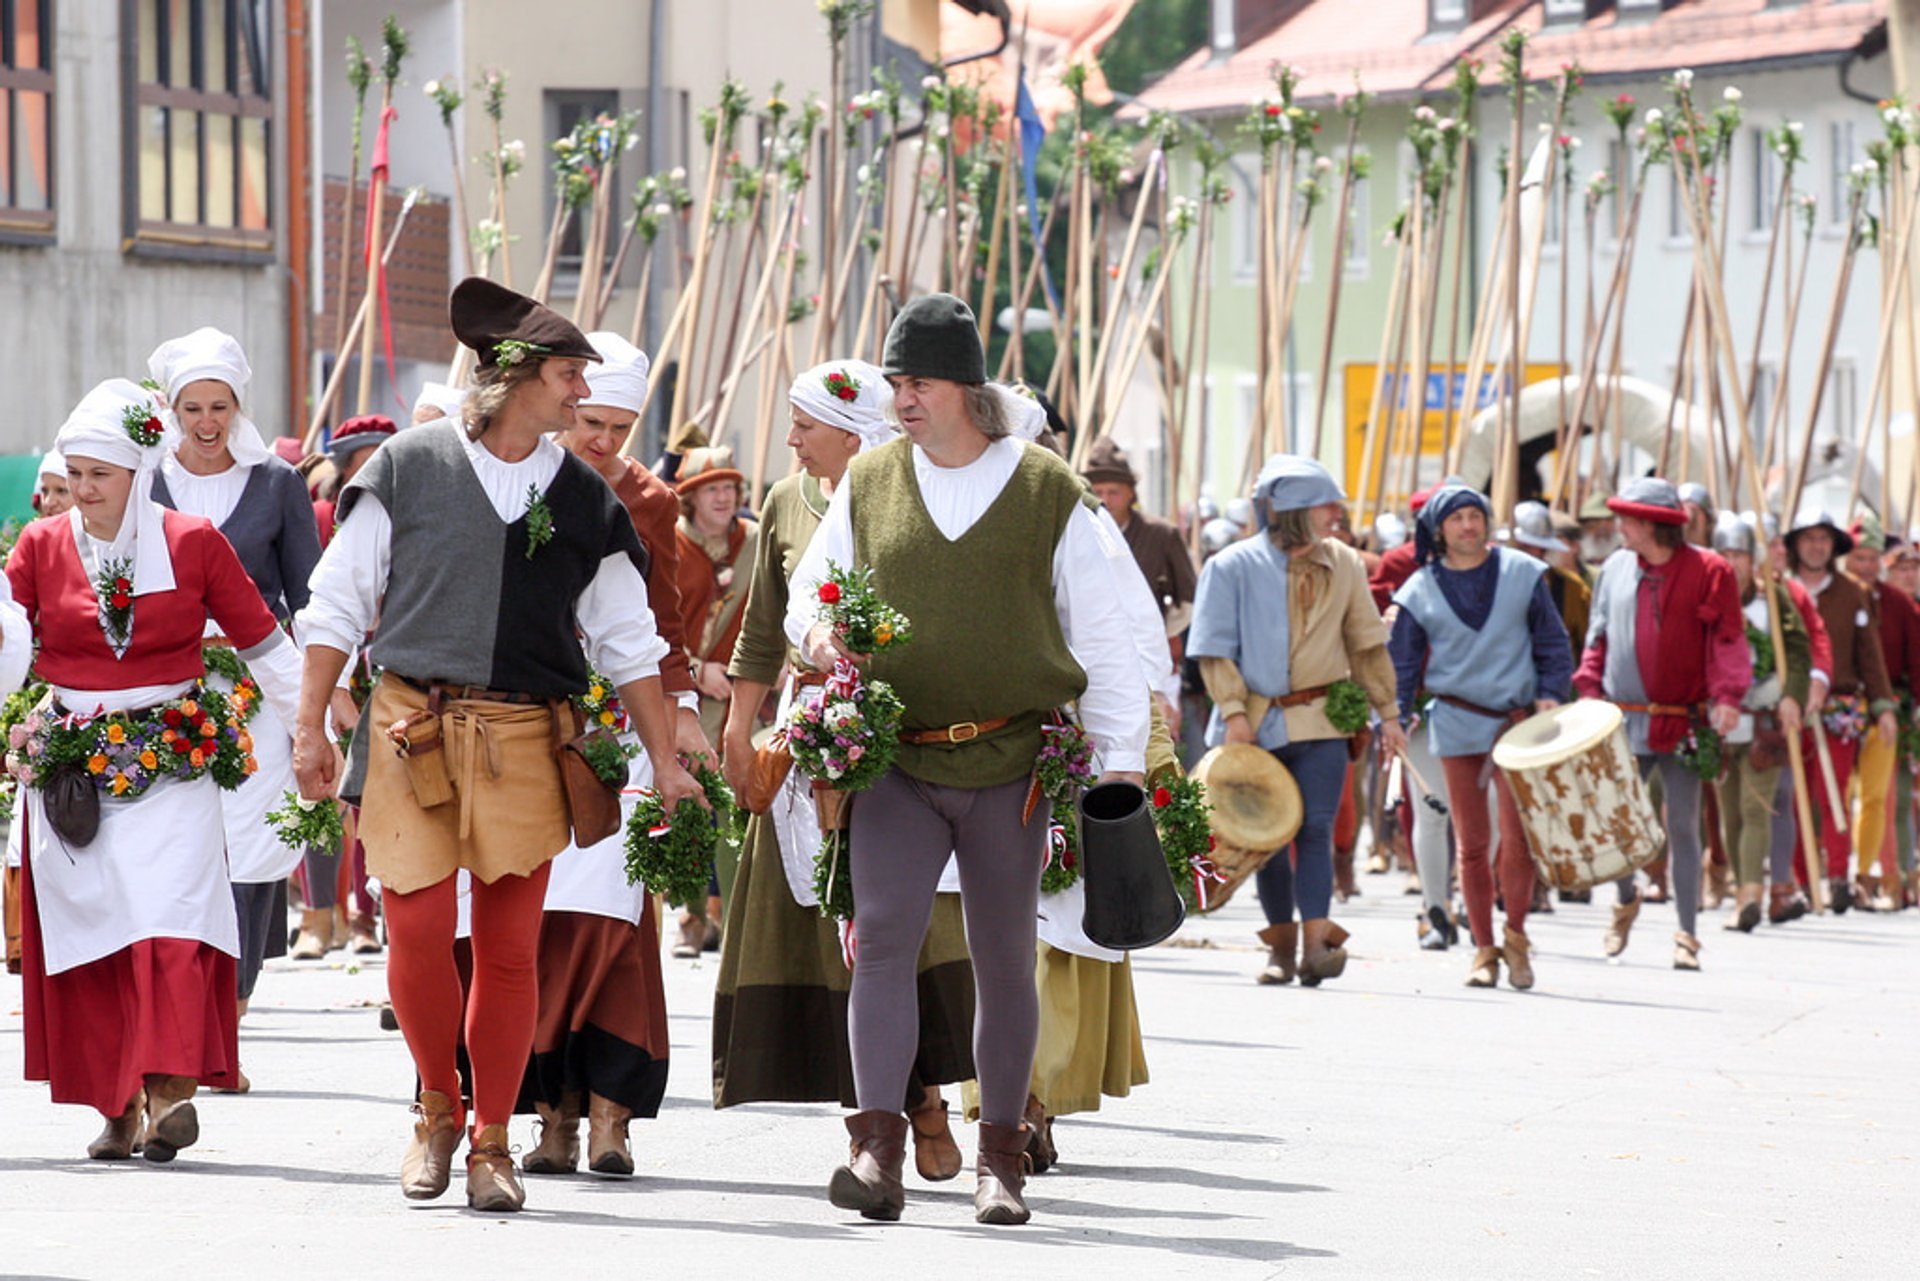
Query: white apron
point(594, 880)
point(157, 868)
point(255, 853)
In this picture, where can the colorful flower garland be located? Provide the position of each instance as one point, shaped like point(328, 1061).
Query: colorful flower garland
point(125, 754)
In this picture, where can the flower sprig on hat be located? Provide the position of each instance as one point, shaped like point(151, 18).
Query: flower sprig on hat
point(841, 385)
point(142, 424)
point(509, 352)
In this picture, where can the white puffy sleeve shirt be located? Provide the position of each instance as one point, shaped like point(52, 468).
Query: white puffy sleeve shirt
point(621, 640)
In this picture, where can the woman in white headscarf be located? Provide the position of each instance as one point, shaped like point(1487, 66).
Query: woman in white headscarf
point(51, 497)
point(217, 465)
point(780, 1002)
point(129, 939)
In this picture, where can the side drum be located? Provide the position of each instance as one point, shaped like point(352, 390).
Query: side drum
point(1578, 790)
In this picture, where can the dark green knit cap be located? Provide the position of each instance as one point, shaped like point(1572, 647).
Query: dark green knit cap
point(935, 336)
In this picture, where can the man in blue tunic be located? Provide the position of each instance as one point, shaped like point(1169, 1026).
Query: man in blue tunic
point(1478, 630)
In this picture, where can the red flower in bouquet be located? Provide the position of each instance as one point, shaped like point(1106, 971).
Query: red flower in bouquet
point(1162, 798)
point(829, 593)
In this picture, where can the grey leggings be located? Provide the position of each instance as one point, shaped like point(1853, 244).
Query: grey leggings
point(1682, 788)
point(903, 831)
point(1431, 855)
point(254, 905)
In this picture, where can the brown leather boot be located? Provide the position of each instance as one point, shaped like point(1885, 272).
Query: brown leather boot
point(558, 1151)
point(1283, 951)
point(1516, 952)
point(427, 1167)
point(1615, 941)
point(1486, 968)
point(172, 1124)
point(493, 1186)
point(1784, 903)
point(607, 1152)
point(935, 1155)
point(121, 1139)
point(1344, 886)
point(1040, 1149)
point(1001, 1175)
point(869, 1182)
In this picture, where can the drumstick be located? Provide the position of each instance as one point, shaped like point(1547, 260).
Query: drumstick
point(1427, 794)
point(1835, 805)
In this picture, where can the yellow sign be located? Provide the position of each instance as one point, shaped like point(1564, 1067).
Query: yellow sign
point(1444, 389)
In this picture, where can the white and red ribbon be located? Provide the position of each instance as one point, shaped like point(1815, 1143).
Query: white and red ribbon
point(1204, 872)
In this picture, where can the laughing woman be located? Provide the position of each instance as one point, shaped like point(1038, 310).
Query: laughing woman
point(129, 940)
point(218, 467)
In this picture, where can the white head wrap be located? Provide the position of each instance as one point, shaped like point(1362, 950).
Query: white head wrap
point(209, 353)
point(857, 403)
point(448, 400)
point(53, 463)
point(1025, 412)
point(619, 381)
point(98, 429)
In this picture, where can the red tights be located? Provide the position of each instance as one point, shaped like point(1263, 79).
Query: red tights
point(1473, 830)
point(503, 1003)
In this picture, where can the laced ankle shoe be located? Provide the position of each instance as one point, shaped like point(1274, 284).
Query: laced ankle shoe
point(427, 1167)
point(493, 1186)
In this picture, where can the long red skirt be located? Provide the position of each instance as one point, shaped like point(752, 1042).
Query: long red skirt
point(162, 1005)
point(603, 1013)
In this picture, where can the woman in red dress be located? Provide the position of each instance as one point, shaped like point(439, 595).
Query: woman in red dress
point(129, 932)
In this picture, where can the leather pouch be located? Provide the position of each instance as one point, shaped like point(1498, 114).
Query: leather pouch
point(72, 804)
point(593, 804)
point(418, 742)
point(1769, 750)
point(772, 762)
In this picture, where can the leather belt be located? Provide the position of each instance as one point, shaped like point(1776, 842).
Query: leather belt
point(1478, 710)
point(470, 693)
point(1658, 709)
point(1301, 697)
point(962, 732)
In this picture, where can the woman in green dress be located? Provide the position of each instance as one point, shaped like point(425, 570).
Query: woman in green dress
point(780, 1004)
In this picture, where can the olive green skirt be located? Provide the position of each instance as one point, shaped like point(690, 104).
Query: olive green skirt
point(780, 1003)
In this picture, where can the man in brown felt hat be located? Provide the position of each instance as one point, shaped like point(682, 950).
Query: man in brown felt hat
point(499, 566)
point(1002, 636)
point(1156, 544)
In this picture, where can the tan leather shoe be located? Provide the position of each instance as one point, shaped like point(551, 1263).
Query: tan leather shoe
point(316, 925)
point(1615, 941)
point(1001, 1175)
point(493, 1186)
point(1516, 951)
point(1283, 950)
point(558, 1151)
point(427, 1167)
point(172, 1123)
point(936, 1157)
point(1040, 1147)
point(121, 1139)
point(1486, 967)
point(363, 936)
point(607, 1152)
point(869, 1183)
point(693, 937)
point(1686, 952)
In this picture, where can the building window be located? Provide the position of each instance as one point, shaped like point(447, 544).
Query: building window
point(199, 139)
point(1246, 216)
point(1446, 15)
point(1677, 228)
point(1839, 165)
point(1620, 169)
point(1766, 385)
point(1359, 246)
point(1764, 175)
point(26, 118)
point(1843, 394)
point(566, 108)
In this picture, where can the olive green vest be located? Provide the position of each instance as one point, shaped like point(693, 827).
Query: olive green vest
point(986, 637)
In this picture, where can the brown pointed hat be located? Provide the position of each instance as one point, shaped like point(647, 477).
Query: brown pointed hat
point(505, 328)
point(1107, 463)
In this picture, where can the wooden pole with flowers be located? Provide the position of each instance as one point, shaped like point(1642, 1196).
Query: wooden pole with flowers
point(393, 53)
point(336, 381)
point(359, 78)
point(447, 97)
point(840, 16)
point(717, 125)
point(1215, 191)
point(507, 159)
point(1466, 87)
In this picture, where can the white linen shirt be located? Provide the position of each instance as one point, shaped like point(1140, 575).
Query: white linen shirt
point(621, 639)
point(1086, 593)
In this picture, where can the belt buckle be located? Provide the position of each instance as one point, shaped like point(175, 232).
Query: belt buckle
point(971, 728)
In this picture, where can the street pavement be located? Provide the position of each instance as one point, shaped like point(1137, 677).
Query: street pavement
point(1756, 1119)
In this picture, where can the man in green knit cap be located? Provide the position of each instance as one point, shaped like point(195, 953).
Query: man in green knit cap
point(984, 543)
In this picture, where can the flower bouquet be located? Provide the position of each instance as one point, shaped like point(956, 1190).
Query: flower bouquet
point(600, 705)
point(673, 854)
point(13, 713)
point(1845, 717)
point(843, 735)
point(123, 754)
point(1063, 769)
point(303, 824)
point(864, 623)
point(1180, 814)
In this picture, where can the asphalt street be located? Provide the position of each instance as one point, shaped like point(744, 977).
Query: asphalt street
point(1756, 1119)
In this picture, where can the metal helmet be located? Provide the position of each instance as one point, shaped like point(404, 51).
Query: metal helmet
point(1218, 534)
point(1389, 531)
point(1696, 493)
point(1240, 511)
point(1533, 527)
point(1732, 533)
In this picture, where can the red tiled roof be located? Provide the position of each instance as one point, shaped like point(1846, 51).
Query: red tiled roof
point(1390, 53)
